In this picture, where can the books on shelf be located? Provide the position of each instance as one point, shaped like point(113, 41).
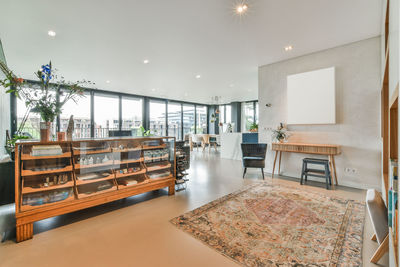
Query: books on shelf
point(128, 182)
point(51, 150)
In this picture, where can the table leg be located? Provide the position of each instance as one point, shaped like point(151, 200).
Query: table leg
point(273, 168)
point(280, 157)
point(331, 170)
point(334, 168)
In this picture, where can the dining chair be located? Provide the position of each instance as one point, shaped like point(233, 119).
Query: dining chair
point(197, 140)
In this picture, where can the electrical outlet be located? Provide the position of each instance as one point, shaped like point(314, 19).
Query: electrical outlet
point(350, 171)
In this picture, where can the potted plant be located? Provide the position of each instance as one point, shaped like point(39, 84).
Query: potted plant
point(280, 134)
point(47, 98)
point(254, 127)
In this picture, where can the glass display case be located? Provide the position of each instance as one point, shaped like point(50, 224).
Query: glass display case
point(57, 174)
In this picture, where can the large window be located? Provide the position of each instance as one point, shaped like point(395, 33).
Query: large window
point(256, 115)
point(132, 117)
point(157, 118)
point(221, 110)
point(249, 114)
point(112, 112)
point(81, 112)
point(32, 124)
point(32, 119)
point(106, 115)
point(175, 120)
point(188, 119)
point(201, 120)
point(228, 114)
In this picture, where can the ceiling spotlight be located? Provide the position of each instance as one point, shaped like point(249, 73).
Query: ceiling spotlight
point(51, 33)
point(198, 76)
point(240, 9)
point(288, 48)
point(146, 61)
point(107, 81)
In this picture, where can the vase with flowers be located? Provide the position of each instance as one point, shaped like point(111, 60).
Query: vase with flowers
point(46, 97)
point(280, 134)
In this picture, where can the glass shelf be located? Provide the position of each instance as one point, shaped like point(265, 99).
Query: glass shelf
point(68, 171)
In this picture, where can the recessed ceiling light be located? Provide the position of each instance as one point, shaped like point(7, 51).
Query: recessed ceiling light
point(198, 76)
point(146, 61)
point(153, 89)
point(240, 9)
point(51, 33)
point(107, 81)
point(288, 48)
point(231, 85)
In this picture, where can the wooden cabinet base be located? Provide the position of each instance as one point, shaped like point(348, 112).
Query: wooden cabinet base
point(25, 219)
point(24, 231)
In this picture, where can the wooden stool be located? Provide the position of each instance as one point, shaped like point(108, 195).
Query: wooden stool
point(326, 173)
point(379, 218)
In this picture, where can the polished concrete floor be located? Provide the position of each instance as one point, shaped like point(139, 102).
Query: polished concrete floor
point(136, 231)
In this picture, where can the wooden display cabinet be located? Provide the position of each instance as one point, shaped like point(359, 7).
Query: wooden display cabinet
point(55, 178)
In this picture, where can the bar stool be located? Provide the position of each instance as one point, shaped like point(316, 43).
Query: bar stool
point(326, 173)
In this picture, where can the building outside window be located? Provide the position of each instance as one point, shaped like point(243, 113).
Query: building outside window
point(81, 112)
point(201, 120)
point(175, 120)
point(132, 119)
point(106, 115)
point(157, 118)
point(188, 119)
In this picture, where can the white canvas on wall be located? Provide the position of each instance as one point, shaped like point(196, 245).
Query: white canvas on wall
point(311, 97)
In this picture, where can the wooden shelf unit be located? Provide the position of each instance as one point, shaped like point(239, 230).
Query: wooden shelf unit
point(389, 131)
point(27, 214)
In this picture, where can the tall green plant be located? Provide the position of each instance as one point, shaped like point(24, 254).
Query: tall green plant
point(42, 99)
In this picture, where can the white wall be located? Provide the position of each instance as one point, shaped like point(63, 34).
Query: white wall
point(4, 112)
point(358, 68)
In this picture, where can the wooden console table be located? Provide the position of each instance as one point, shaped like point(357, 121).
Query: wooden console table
point(319, 149)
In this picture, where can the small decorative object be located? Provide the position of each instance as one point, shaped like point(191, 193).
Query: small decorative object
point(105, 159)
point(280, 134)
point(61, 136)
point(121, 171)
point(125, 170)
point(90, 160)
point(254, 127)
point(70, 128)
point(213, 118)
point(130, 170)
point(85, 161)
point(46, 184)
point(145, 132)
point(229, 128)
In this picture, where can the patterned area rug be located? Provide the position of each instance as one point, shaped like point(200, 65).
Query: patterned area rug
point(273, 225)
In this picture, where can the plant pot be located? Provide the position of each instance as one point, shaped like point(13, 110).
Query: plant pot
point(281, 140)
point(60, 136)
point(45, 128)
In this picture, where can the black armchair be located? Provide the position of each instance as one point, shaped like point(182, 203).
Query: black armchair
point(253, 156)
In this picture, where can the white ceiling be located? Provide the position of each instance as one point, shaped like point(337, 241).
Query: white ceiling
point(108, 40)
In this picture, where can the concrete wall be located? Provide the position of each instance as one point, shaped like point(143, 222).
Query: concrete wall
point(358, 68)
